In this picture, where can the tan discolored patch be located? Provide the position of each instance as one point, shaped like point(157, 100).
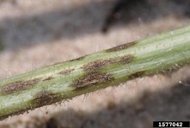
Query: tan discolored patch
point(122, 47)
point(65, 72)
point(18, 86)
point(93, 78)
point(95, 65)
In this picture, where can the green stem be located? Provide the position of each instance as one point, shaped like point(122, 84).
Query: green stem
point(164, 53)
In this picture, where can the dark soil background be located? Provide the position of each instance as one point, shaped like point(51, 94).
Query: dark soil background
point(42, 32)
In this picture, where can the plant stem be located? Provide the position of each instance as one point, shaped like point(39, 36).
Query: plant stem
point(164, 53)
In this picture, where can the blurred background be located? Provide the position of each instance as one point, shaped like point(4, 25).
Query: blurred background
point(35, 33)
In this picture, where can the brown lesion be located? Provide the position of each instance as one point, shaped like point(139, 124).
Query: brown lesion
point(93, 78)
point(166, 72)
point(18, 86)
point(126, 59)
point(95, 65)
point(48, 78)
point(122, 47)
point(137, 75)
point(93, 74)
point(45, 98)
point(40, 99)
point(66, 71)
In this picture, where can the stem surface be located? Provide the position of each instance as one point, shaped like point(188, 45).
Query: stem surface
point(163, 53)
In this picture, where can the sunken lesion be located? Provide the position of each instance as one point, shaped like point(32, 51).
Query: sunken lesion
point(122, 47)
point(19, 86)
point(93, 78)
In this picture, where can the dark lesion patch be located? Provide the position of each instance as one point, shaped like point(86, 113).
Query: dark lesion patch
point(66, 71)
point(48, 78)
point(40, 99)
point(93, 78)
point(96, 65)
point(137, 75)
point(19, 86)
point(126, 59)
point(45, 98)
point(122, 47)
